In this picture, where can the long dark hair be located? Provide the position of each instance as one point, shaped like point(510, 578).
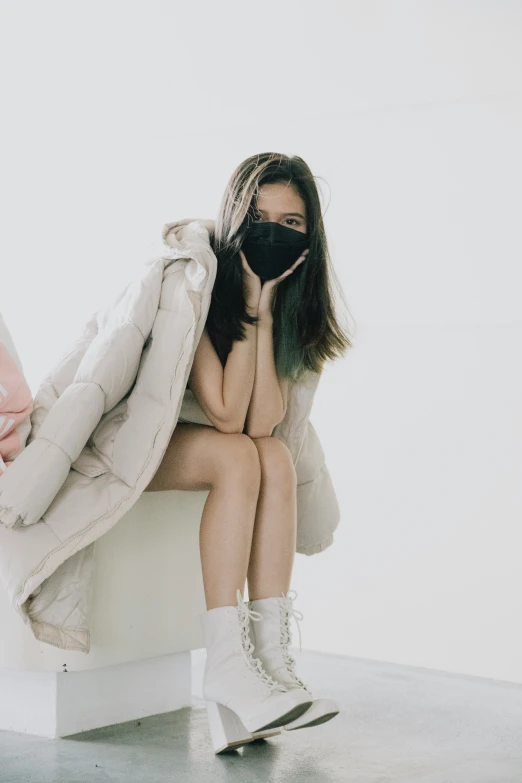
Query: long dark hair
point(305, 328)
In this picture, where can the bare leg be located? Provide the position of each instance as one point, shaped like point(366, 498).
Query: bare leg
point(202, 458)
point(225, 534)
point(275, 530)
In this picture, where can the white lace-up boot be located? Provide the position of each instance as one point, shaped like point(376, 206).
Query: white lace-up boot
point(241, 697)
point(271, 638)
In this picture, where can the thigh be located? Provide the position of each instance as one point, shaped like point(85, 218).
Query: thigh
point(198, 454)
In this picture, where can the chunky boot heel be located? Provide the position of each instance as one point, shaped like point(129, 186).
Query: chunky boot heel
point(242, 698)
point(227, 732)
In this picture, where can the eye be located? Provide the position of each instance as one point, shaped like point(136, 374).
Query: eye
point(293, 220)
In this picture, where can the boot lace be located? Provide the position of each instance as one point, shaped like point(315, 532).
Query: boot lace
point(254, 664)
point(287, 611)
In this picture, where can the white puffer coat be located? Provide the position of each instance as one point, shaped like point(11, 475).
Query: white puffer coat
point(101, 423)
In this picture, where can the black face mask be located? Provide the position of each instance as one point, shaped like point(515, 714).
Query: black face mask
point(271, 248)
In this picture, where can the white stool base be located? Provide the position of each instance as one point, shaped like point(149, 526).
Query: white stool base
point(57, 704)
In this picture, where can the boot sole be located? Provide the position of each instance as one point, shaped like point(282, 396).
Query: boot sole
point(262, 735)
point(316, 722)
point(287, 717)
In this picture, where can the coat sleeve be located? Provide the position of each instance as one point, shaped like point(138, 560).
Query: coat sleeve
point(60, 377)
point(88, 381)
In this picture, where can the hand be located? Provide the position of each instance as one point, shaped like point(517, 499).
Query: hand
point(269, 286)
point(251, 285)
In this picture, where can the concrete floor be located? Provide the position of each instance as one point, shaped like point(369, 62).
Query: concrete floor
point(397, 725)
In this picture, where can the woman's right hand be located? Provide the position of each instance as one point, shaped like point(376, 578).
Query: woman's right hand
point(251, 285)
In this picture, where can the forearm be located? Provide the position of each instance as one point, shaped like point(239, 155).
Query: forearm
point(238, 379)
point(266, 404)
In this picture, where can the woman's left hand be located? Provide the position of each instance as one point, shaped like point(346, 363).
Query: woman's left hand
point(269, 286)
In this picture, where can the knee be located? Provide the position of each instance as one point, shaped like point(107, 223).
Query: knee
point(275, 460)
point(238, 460)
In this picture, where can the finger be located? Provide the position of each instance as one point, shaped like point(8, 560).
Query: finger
point(299, 260)
point(281, 277)
point(294, 266)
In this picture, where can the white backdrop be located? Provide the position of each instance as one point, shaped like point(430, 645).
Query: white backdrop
point(119, 117)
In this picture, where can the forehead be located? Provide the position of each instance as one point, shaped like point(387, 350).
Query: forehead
point(279, 196)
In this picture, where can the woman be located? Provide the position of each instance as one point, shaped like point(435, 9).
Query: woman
point(270, 319)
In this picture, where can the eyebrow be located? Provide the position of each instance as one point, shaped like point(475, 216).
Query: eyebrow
point(286, 214)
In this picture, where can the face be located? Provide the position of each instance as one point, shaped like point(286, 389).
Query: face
point(279, 202)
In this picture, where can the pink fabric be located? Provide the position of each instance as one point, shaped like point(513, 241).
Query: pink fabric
point(16, 405)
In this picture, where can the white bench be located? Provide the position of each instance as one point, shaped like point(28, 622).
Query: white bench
point(148, 594)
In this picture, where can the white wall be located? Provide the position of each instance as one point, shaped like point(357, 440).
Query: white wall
point(119, 117)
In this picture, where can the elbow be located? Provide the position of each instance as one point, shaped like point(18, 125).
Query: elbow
point(264, 431)
point(229, 426)
point(229, 429)
point(261, 433)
